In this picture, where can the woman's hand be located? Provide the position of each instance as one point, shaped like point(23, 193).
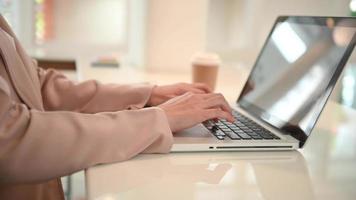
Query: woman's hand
point(190, 109)
point(161, 94)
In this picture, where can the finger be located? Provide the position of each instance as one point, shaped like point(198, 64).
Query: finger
point(181, 98)
point(218, 101)
point(226, 103)
point(203, 87)
point(222, 98)
point(217, 113)
point(212, 95)
point(207, 95)
point(187, 95)
point(196, 90)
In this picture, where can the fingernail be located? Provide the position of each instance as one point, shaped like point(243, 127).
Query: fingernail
point(232, 118)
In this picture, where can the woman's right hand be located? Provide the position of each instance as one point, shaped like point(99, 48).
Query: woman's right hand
point(190, 109)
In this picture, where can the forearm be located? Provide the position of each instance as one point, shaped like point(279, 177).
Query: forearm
point(36, 146)
point(59, 93)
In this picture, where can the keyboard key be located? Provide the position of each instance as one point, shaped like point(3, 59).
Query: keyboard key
point(267, 137)
point(240, 125)
point(233, 135)
point(232, 126)
point(214, 128)
point(242, 128)
point(222, 126)
point(225, 129)
point(236, 129)
point(245, 128)
point(256, 137)
point(248, 130)
point(227, 123)
point(244, 136)
point(220, 137)
point(253, 133)
point(240, 132)
point(265, 132)
point(219, 133)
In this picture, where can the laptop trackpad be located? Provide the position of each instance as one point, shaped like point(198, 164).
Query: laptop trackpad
point(197, 131)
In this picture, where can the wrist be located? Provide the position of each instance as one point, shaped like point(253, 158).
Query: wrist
point(158, 96)
point(154, 98)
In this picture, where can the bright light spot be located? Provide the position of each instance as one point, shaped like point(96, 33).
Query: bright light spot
point(353, 5)
point(288, 42)
point(348, 92)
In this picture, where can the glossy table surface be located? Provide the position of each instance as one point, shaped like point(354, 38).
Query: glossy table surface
point(324, 169)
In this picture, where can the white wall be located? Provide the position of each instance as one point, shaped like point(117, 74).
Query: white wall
point(163, 34)
point(136, 39)
point(175, 31)
point(236, 29)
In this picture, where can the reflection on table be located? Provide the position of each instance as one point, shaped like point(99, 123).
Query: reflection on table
point(243, 175)
point(324, 169)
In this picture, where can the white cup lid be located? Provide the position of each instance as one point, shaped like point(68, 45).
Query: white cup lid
point(208, 59)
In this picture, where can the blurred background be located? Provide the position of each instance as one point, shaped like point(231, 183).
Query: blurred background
point(158, 35)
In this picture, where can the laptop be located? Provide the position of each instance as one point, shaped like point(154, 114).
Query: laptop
point(286, 90)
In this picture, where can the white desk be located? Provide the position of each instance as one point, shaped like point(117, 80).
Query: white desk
point(325, 169)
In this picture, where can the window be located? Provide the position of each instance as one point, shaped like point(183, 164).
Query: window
point(80, 26)
point(43, 10)
point(348, 95)
point(6, 9)
point(61, 26)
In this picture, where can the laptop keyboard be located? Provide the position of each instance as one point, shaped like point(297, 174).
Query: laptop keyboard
point(242, 129)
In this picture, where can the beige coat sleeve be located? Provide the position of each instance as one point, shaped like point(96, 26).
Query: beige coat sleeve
point(59, 93)
point(37, 145)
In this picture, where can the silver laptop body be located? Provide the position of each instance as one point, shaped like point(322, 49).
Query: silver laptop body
point(287, 88)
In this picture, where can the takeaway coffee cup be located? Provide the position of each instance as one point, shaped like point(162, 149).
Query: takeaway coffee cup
point(205, 68)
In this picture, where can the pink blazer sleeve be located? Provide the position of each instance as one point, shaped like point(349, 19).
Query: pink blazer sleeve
point(59, 93)
point(37, 145)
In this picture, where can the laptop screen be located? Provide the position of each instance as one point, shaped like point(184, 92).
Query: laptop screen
point(296, 71)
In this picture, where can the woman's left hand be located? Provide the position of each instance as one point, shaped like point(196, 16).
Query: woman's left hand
point(161, 94)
